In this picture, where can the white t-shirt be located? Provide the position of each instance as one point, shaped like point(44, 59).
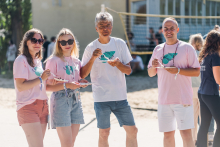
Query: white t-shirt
point(108, 82)
point(50, 49)
point(138, 59)
point(11, 53)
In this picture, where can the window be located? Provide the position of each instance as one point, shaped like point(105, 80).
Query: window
point(170, 7)
point(177, 11)
point(199, 11)
point(218, 13)
point(187, 12)
point(207, 12)
point(213, 12)
point(162, 9)
point(193, 11)
point(139, 7)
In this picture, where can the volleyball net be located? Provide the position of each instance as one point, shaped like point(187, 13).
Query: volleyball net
point(137, 28)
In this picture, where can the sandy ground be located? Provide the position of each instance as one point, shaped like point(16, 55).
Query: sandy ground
point(142, 96)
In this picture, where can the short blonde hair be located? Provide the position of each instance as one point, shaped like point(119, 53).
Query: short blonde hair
point(58, 50)
point(196, 40)
point(170, 19)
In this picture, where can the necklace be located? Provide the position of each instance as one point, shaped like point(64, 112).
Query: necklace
point(174, 54)
point(70, 70)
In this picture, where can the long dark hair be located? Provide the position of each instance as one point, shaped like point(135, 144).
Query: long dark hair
point(23, 48)
point(212, 45)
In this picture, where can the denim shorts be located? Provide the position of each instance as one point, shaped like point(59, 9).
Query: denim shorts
point(65, 110)
point(121, 109)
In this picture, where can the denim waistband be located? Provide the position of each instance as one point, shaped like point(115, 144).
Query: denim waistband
point(70, 92)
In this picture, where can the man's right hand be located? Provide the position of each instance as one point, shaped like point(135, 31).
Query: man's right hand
point(155, 63)
point(97, 53)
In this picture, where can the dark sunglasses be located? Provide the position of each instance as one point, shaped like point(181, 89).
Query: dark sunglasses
point(63, 42)
point(34, 41)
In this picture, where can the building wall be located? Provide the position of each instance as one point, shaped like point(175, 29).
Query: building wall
point(52, 15)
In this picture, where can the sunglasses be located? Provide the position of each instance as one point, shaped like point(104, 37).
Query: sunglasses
point(63, 42)
point(34, 41)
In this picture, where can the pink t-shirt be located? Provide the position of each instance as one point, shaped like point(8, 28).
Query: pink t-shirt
point(22, 69)
point(67, 70)
point(173, 91)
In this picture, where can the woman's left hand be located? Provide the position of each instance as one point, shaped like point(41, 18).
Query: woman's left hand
point(83, 81)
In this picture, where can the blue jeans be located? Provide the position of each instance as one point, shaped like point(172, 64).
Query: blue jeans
point(66, 110)
point(121, 109)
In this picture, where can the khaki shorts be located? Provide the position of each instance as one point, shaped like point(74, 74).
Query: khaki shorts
point(35, 112)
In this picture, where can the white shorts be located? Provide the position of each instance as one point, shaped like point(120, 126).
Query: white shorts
point(169, 115)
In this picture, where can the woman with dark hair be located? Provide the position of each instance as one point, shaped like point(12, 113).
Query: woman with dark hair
point(30, 86)
point(208, 93)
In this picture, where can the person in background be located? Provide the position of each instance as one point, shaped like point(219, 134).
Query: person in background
point(51, 46)
point(216, 27)
point(11, 54)
point(131, 41)
point(152, 39)
point(196, 41)
point(137, 63)
point(152, 45)
point(159, 36)
point(45, 48)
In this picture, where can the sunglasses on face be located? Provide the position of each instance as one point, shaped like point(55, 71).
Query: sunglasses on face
point(63, 42)
point(34, 41)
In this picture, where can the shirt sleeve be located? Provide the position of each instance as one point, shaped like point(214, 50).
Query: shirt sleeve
point(193, 61)
point(125, 54)
point(86, 56)
point(152, 58)
point(215, 60)
point(52, 66)
point(20, 68)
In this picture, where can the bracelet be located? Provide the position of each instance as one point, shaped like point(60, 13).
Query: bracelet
point(177, 73)
point(41, 83)
point(64, 86)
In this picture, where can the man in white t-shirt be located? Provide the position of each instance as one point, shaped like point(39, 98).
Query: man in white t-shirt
point(174, 62)
point(107, 59)
point(137, 63)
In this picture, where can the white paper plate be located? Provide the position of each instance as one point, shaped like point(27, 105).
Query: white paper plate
point(61, 80)
point(85, 83)
point(165, 67)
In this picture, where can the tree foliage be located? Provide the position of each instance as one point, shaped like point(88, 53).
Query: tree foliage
point(15, 19)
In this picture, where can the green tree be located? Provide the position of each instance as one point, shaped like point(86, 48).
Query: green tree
point(15, 19)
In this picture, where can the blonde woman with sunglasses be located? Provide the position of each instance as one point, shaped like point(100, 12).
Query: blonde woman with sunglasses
point(66, 108)
point(30, 86)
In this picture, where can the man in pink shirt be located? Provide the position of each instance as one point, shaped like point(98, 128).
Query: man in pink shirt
point(174, 62)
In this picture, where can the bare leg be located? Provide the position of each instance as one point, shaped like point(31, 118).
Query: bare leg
point(131, 136)
point(169, 140)
point(75, 130)
point(103, 137)
point(65, 135)
point(187, 138)
point(34, 134)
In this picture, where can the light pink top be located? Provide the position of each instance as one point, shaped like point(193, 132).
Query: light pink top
point(22, 69)
point(173, 91)
point(61, 70)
